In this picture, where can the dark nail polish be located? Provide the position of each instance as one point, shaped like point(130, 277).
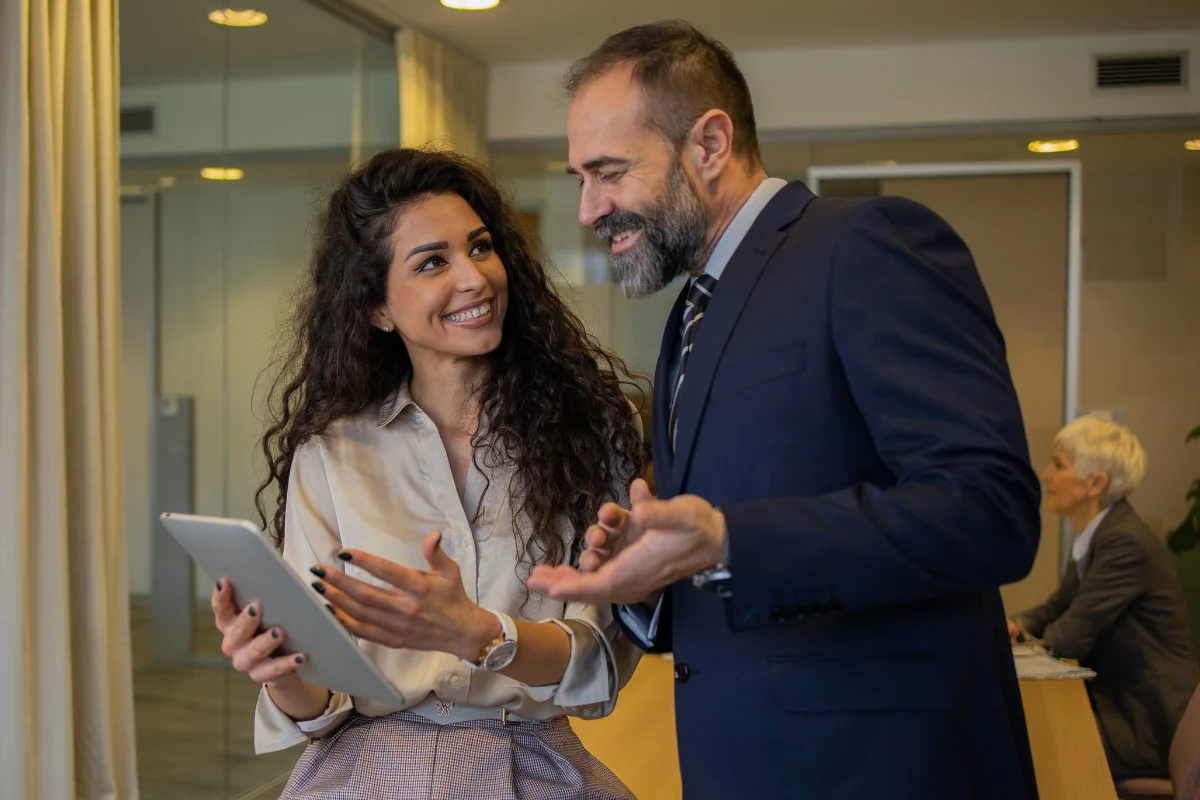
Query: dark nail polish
point(331, 609)
point(251, 611)
point(318, 571)
point(274, 633)
point(320, 587)
point(344, 556)
point(220, 586)
point(299, 659)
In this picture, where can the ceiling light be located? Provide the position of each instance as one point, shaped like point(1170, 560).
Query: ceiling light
point(470, 5)
point(237, 18)
point(222, 173)
point(1053, 146)
point(1192, 144)
point(166, 181)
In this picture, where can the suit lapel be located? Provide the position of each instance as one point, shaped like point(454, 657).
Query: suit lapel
point(660, 445)
point(1115, 514)
point(733, 290)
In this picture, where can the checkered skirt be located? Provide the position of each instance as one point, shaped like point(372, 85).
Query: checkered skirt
point(407, 757)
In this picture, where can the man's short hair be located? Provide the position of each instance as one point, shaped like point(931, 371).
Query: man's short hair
point(682, 74)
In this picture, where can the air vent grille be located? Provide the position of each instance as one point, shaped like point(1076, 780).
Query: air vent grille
point(137, 120)
point(1124, 71)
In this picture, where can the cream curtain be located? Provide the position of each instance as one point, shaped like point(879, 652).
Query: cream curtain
point(66, 709)
point(443, 95)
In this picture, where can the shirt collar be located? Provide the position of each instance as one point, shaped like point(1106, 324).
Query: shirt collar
point(1079, 549)
point(727, 245)
point(396, 402)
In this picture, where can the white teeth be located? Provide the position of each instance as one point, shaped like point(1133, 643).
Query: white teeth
point(473, 313)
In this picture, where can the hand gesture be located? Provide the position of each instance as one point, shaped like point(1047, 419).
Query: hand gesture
point(613, 531)
point(662, 541)
point(420, 610)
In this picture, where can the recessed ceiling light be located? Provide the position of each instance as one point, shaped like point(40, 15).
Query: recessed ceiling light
point(222, 173)
point(1192, 144)
point(237, 18)
point(470, 5)
point(1053, 146)
point(166, 181)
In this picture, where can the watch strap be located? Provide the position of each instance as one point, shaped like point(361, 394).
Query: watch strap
point(508, 633)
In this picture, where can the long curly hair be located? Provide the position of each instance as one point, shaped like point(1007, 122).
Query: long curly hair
point(551, 400)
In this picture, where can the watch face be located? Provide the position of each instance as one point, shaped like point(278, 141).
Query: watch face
point(500, 656)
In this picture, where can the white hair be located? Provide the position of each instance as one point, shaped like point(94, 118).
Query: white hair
point(1094, 445)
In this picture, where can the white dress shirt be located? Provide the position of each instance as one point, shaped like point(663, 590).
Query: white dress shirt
point(1079, 550)
point(380, 481)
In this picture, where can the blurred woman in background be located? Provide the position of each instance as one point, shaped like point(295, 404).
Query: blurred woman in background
point(1119, 609)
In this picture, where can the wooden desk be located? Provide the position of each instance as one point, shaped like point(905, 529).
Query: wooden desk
point(637, 741)
point(1067, 754)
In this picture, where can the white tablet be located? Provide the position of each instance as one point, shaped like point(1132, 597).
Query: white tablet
point(237, 550)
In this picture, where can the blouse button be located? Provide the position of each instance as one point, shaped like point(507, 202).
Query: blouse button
point(455, 680)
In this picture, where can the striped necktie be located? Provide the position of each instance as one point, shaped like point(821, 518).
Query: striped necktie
point(698, 294)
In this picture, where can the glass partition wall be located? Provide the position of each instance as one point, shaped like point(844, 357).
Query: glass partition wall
point(230, 138)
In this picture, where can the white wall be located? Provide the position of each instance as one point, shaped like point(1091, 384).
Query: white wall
point(269, 114)
point(890, 87)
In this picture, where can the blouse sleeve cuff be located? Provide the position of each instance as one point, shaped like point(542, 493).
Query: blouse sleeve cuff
point(588, 686)
point(274, 730)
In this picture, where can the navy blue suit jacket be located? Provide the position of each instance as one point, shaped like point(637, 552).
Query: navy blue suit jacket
point(848, 405)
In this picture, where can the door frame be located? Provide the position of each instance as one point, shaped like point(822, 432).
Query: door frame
point(1073, 169)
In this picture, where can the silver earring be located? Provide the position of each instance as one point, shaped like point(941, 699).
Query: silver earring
point(387, 328)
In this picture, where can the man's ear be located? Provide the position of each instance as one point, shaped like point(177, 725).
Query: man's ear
point(710, 144)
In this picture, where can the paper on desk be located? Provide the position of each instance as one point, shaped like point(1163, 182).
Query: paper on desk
point(1034, 665)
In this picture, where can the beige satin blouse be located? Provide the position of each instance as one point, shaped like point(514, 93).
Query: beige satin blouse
point(379, 482)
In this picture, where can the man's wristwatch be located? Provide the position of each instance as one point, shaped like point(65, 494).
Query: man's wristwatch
point(501, 651)
point(717, 579)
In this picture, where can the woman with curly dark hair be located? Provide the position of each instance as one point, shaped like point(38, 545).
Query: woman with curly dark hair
point(443, 424)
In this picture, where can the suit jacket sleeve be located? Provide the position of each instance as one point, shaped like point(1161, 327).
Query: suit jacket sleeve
point(1114, 578)
point(925, 363)
point(1037, 618)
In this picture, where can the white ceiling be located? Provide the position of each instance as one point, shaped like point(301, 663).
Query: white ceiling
point(533, 30)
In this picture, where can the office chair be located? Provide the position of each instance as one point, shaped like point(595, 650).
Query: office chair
point(1183, 763)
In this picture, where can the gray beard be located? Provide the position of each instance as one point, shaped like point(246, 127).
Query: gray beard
point(674, 232)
